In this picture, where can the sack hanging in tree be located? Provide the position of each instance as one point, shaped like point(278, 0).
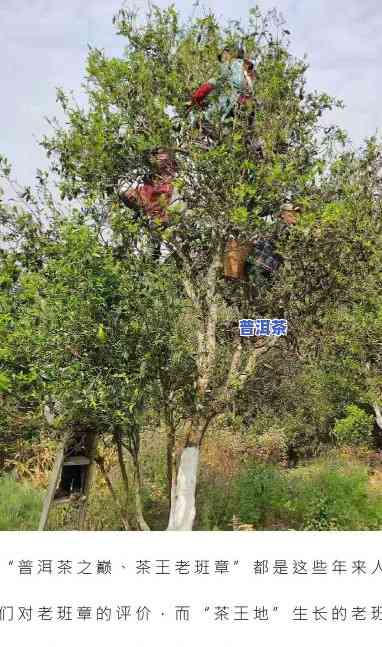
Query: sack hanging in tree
point(265, 255)
point(234, 259)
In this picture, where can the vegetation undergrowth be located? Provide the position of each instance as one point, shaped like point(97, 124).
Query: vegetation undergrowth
point(326, 494)
point(20, 504)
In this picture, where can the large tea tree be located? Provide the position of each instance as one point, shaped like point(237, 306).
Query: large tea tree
point(230, 176)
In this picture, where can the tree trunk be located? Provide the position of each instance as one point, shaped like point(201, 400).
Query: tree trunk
point(141, 522)
point(169, 430)
point(101, 464)
point(182, 513)
point(122, 466)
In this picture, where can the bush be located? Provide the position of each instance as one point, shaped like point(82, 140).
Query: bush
point(335, 496)
point(260, 492)
point(272, 447)
point(215, 505)
point(20, 505)
point(356, 428)
point(325, 495)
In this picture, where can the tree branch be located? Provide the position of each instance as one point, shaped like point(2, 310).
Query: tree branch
point(251, 362)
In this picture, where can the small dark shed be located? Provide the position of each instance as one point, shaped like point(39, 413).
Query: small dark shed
point(75, 467)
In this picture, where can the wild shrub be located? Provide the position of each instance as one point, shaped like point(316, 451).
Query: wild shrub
point(356, 428)
point(327, 494)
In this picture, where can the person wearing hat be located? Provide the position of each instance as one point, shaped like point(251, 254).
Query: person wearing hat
point(288, 213)
point(233, 86)
point(155, 196)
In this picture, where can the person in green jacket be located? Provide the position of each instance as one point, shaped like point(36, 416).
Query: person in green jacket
point(232, 88)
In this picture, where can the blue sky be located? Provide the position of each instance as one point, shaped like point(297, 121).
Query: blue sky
point(43, 44)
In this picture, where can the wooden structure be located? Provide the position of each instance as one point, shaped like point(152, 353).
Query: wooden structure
point(72, 474)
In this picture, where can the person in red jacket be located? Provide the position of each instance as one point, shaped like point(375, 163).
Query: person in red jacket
point(155, 194)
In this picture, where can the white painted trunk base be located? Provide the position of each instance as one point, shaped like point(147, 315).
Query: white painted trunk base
point(182, 512)
point(378, 415)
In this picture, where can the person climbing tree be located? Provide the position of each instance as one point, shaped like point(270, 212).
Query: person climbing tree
point(154, 196)
point(232, 88)
point(265, 261)
point(258, 259)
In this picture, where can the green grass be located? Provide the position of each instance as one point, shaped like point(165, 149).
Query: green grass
point(20, 505)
